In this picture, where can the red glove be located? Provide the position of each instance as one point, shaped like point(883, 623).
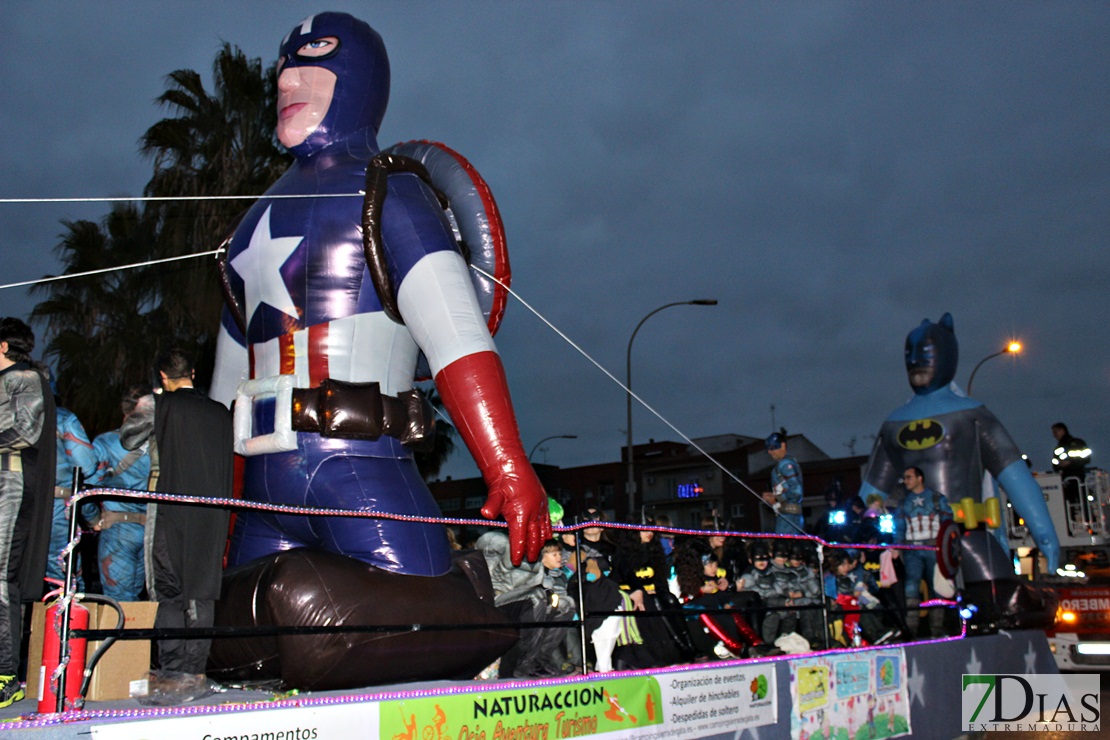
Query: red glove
point(476, 394)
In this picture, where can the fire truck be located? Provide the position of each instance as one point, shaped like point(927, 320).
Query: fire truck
point(1080, 510)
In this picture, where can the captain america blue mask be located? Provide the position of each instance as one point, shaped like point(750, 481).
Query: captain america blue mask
point(932, 354)
point(774, 441)
point(333, 81)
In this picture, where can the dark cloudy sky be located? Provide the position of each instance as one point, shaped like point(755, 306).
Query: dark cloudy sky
point(831, 172)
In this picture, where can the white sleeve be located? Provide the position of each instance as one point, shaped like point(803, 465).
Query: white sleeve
point(437, 302)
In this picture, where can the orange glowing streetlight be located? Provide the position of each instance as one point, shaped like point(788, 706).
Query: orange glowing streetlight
point(1013, 347)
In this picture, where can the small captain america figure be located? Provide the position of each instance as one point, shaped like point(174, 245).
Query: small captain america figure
point(320, 362)
point(954, 439)
point(786, 491)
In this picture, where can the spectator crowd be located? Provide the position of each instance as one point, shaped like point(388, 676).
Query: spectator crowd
point(654, 596)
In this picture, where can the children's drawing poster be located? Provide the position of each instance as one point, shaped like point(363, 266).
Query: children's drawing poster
point(850, 696)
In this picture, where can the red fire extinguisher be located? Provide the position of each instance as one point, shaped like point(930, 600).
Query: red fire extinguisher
point(75, 668)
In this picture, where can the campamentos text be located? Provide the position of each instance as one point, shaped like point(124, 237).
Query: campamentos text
point(300, 733)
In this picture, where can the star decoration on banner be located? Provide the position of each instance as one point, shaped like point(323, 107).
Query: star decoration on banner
point(747, 732)
point(916, 684)
point(1030, 658)
point(974, 665)
point(260, 267)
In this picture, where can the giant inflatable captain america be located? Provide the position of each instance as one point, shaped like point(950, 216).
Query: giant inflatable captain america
point(312, 337)
point(954, 439)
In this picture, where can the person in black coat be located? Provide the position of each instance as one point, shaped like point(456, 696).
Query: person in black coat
point(27, 452)
point(191, 456)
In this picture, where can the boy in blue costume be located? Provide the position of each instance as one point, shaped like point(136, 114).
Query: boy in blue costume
point(73, 451)
point(786, 492)
point(121, 524)
point(922, 513)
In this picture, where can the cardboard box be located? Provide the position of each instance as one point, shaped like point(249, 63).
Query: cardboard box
point(123, 662)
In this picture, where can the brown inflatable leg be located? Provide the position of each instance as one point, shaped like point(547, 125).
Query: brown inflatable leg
point(314, 588)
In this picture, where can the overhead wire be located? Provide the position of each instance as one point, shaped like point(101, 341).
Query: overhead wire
point(477, 269)
point(625, 388)
point(169, 198)
point(152, 199)
point(53, 278)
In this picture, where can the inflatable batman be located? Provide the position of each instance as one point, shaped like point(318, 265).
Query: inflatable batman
point(333, 303)
point(956, 440)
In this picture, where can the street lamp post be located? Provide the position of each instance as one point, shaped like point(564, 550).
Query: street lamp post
point(1010, 349)
point(630, 485)
point(545, 439)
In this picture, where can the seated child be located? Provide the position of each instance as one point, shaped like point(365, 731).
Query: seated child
point(519, 592)
point(702, 588)
point(785, 588)
point(850, 601)
point(806, 593)
point(565, 655)
point(758, 580)
point(875, 508)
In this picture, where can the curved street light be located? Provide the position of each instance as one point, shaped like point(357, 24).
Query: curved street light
point(1012, 348)
point(630, 486)
point(545, 439)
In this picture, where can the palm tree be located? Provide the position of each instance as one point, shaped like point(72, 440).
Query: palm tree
point(218, 144)
point(430, 462)
point(101, 330)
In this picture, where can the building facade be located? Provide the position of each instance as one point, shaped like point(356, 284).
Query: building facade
point(677, 480)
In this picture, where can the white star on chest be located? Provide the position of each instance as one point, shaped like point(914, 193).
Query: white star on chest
point(919, 501)
point(259, 265)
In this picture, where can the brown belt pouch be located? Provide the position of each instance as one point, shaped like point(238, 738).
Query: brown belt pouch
point(351, 410)
point(420, 421)
point(359, 411)
point(306, 410)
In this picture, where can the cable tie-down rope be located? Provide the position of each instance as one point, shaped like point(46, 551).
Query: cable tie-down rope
point(153, 199)
point(475, 268)
point(176, 198)
point(240, 632)
point(234, 503)
point(629, 391)
point(64, 605)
